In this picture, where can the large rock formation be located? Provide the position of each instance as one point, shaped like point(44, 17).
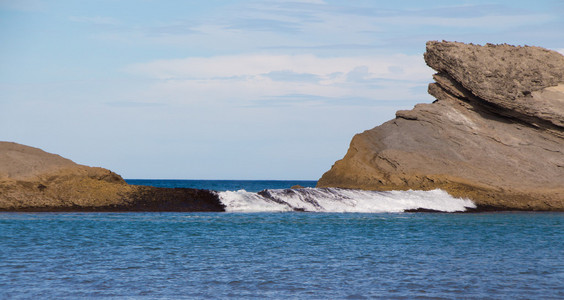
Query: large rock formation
point(495, 134)
point(34, 180)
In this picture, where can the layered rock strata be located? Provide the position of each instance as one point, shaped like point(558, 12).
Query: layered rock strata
point(495, 134)
point(34, 180)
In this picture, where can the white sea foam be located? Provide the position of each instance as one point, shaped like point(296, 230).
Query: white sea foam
point(243, 201)
point(341, 200)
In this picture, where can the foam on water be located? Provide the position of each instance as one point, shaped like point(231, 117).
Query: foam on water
point(341, 200)
point(243, 201)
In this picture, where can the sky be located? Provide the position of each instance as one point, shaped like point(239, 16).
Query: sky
point(214, 89)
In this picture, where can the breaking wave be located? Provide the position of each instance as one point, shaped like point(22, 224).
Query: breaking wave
point(341, 200)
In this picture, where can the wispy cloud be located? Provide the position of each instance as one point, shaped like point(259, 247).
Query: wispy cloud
point(323, 47)
point(357, 18)
point(490, 21)
point(264, 25)
point(134, 104)
point(315, 26)
point(261, 77)
point(398, 66)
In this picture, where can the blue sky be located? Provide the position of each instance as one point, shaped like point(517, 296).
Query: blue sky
point(230, 89)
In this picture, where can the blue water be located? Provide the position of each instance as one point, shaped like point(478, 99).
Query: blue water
point(224, 185)
point(281, 255)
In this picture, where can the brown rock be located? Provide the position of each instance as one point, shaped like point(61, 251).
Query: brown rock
point(494, 134)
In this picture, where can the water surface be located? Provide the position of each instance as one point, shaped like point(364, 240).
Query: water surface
point(282, 255)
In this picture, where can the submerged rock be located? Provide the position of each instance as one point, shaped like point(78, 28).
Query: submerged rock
point(494, 135)
point(34, 180)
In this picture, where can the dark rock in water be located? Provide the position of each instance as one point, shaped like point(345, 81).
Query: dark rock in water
point(495, 134)
point(174, 199)
point(34, 180)
point(297, 186)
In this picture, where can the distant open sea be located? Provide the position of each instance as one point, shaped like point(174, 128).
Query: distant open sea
point(281, 255)
point(223, 185)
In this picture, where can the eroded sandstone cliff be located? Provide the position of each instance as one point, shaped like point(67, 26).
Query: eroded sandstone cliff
point(495, 134)
point(34, 180)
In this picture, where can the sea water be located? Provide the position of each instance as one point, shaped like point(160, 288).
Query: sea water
point(224, 185)
point(278, 255)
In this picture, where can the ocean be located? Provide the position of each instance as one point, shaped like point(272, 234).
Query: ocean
point(224, 185)
point(283, 254)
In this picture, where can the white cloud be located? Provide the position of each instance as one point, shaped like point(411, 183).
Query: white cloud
point(479, 22)
point(261, 77)
point(396, 67)
point(561, 51)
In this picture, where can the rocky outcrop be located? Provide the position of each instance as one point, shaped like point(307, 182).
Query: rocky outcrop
point(495, 134)
point(34, 180)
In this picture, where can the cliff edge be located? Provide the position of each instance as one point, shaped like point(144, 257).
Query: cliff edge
point(495, 134)
point(34, 180)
